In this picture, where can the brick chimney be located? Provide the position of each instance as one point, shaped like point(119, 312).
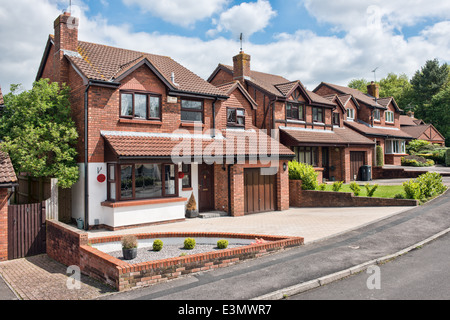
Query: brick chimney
point(241, 67)
point(410, 114)
point(66, 39)
point(374, 90)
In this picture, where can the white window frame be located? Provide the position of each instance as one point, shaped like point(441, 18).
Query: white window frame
point(389, 115)
point(350, 114)
point(377, 115)
point(395, 147)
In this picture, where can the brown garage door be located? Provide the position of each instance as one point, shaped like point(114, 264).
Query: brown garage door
point(259, 191)
point(356, 162)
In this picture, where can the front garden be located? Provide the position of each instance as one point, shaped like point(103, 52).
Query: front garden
point(422, 153)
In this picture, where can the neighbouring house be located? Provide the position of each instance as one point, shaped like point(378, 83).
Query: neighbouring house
point(307, 123)
point(8, 180)
point(152, 133)
point(419, 130)
point(376, 118)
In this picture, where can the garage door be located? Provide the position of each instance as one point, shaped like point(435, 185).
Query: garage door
point(356, 162)
point(259, 191)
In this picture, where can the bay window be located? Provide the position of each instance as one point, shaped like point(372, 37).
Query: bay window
point(308, 155)
point(395, 147)
point(141, 181)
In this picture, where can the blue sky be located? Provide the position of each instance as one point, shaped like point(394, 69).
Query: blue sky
point(307, 40)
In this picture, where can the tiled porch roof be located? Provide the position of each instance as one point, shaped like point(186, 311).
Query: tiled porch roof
point(377, 131)
point(337, 137)
point(231, 143)
point(7, 174)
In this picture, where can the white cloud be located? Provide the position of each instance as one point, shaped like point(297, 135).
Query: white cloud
point(247, 18)
point(180, 12)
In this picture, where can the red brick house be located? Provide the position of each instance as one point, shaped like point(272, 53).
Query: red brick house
point(152, 133)
point(419, 130)
point(8, 179)
point(309, 124)
point(376, 118)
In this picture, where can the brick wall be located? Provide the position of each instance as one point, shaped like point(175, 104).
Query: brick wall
point(310, 199)
point(3, 224)
point(69, 246)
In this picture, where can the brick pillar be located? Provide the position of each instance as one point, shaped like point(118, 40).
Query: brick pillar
point(283, 187)
point(237, 191)
point(3, 224)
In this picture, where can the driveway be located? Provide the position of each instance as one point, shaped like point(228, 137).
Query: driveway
point(41, 278)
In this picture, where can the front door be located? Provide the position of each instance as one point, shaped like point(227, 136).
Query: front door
point(356, 162)
point(325, 163)
point(205, 188)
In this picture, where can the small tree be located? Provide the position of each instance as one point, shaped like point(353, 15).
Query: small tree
point(380, 156)
point(38, 133)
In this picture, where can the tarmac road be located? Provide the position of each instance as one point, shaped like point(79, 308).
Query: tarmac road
point(263, 276)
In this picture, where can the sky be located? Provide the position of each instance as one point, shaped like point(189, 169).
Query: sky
point(312, 41)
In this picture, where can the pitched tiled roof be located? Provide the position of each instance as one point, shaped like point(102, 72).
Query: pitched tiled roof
point(338, 137)
point(407, 121)
point(105, 63)
point(377, 131)
point(417, 130)
point(232, 143)
point(228, 88)
point(7, 174)
point(358, 95)
point(276, 85)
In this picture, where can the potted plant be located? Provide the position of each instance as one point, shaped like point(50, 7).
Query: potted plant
point(191, 208)
point(129, 247)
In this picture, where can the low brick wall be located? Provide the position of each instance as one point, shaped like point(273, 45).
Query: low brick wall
point(310, 199)
point(399, 173)
point(70, 246)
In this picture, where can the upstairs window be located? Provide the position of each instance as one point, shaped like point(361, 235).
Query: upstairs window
point(140, 106)
point(389, 116)
point(350, 114)
point(376, 115)
point(294, 111)
point(317, 114)
point(192, 111)
point(235, 117)
point(336, 119)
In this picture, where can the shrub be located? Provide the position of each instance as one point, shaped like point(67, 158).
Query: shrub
point(371, 189)
point(425, 186)
point(416, 161)
point(380, 156)
point(355, 188)
point(189, 243)
point(416, 146)
point(129, 242)
point(222, 244)
point(304, 172)
point(412, 189)
point(322, 186)
point(157, 245)
point(399, 196)
point(337, 185)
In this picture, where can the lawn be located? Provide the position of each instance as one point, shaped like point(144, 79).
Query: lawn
point(382, 191)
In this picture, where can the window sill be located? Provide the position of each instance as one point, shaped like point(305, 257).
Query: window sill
point(192, 125)
point(295, 121)
point(187, 189)
point(133, 203)
point(140, 121)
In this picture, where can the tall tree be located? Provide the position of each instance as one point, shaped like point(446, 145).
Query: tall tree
point(38, 133)
point(396, 86)
point(440, 112)
point(426, 83)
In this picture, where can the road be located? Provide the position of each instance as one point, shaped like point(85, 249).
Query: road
point(422, 274)
point(268, 274)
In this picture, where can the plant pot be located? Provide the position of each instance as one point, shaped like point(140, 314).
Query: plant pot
point(129, 254)
point(191, 214)
point(80, 224)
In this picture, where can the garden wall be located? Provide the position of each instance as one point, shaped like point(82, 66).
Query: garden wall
point(397, 173)
point(309, 199)
point(70, 247)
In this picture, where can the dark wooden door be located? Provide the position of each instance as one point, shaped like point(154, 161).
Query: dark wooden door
point(259, 191)
point(205, 187)
point(26, 230)
point(356, 162)
point(325, 162)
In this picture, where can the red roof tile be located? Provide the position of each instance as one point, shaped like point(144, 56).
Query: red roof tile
point(377, 131)
point(233, 143)
point(7, 174)
point(338, 137)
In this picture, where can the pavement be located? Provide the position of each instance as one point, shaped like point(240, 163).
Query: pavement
point(336, 239)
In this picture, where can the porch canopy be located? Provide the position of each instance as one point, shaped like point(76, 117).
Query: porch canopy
point(339, 137)
point(228, 145)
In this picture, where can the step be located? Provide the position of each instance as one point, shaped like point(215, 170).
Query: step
point(213, 214)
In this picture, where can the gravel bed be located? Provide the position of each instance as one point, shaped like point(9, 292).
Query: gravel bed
point(169, 251)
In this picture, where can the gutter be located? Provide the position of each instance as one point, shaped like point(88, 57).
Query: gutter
point(229, 189)
point(214, 117)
